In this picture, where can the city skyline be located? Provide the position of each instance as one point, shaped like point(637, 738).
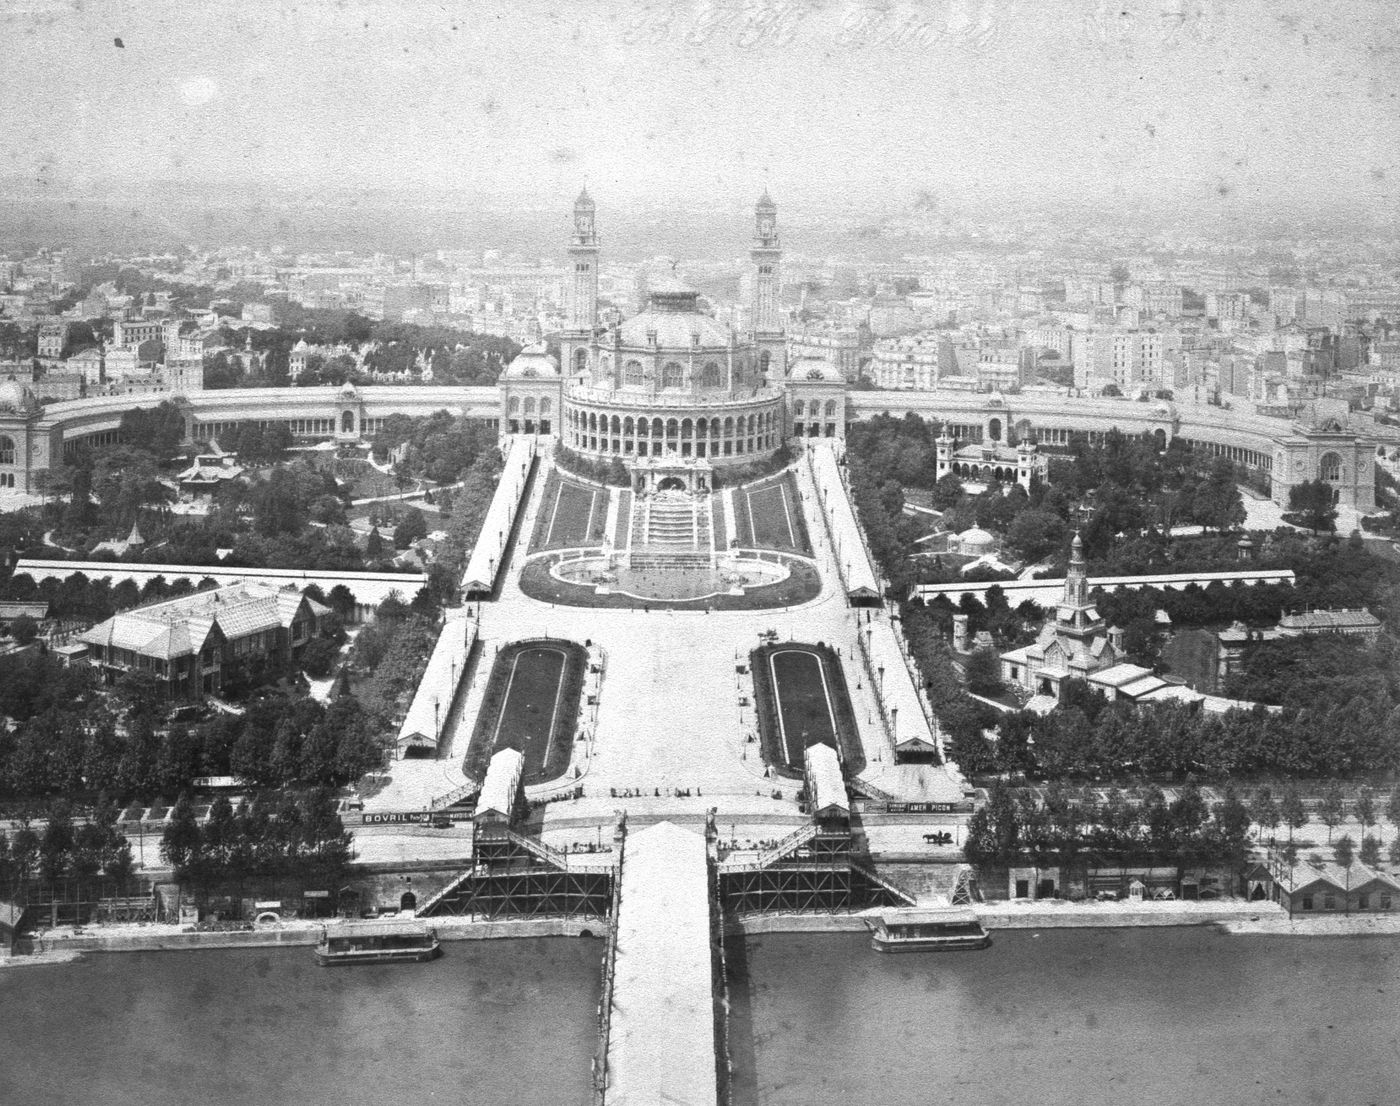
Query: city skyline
point(1254, 108)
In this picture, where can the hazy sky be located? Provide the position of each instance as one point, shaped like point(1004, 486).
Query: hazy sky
point(1178, 101)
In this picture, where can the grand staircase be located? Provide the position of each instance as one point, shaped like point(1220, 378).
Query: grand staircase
point(671, 530)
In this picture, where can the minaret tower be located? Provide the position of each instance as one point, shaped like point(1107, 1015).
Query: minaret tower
point(1077, 617)
point(767, 255)
point(577, 338)
point(583, 253)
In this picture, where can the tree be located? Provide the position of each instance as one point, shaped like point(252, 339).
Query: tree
point(24, 856)
point(1265, 810)
point(1232, 824)
point(984, 672)
point(1366, 808)
point(1392, 809)
point(1292, 810)
point(413, 527)
point(1370, 853)
point(948, 492)
point(1331, 809)
point(1315, 502)
point(181, 845)
point(24, 629)
point(56, 844)
point(1035, 534)
point(1345, 852)
point(374, 545)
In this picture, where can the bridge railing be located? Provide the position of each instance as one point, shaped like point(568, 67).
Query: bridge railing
point(600, 1060)
point(766, 857)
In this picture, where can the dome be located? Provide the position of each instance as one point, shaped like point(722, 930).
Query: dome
point(996, 399)
point(347, 390)
point(534, 360)
point(976, 540)
point(15, 396)
point(675, 320)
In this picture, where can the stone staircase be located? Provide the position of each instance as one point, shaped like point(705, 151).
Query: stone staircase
point(676, 529)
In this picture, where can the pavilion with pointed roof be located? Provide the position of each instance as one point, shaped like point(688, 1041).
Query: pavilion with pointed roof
point(1074, 644)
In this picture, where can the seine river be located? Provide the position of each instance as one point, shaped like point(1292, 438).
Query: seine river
point(1082, 1017)
point(509, 1022)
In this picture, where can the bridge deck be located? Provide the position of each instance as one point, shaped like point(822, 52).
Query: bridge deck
point(662, 1033)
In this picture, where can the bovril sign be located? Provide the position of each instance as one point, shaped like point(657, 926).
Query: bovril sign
point(413, 817)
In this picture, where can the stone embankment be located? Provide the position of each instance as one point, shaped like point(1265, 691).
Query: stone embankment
point(61, 945)
point(1060, 914)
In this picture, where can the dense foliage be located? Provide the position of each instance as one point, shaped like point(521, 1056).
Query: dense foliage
point(388, 658)
point(1062, 828)
point(1124, 486)
point(294, 835)
point(64, 849)
point(72, 740)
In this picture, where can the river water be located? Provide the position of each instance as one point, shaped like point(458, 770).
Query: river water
point(1082, 1017)
point(510, 1022)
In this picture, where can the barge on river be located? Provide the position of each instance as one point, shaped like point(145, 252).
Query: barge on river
point(376, 942)
point(924, 930)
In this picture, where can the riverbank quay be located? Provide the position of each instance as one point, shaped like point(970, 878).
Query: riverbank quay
point(1331, 925)
point(1051, 914)
point(62, 945)
point(1063, 914)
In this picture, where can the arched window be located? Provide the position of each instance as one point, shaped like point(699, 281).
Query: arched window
point(514, 407)
point(709, 375)
point(529, 405)
point(592, 422)
point(644, 427)
point(764, 360)
point(347, 422)
point(1330, 468)
point(702, 427)
point(799, 409)
point(656, 428)
point(729, 427)
point(628, 426)
point(615, 425)
point(7, 450)
point(671, 428)
point(580, 360)
point(994, 430)
point(632, 374)
point(672, 375)
point(545, 407)
point(831, 408)
point(687, 429)
point(714, 428)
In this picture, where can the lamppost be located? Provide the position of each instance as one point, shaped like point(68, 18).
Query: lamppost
point(881, 672)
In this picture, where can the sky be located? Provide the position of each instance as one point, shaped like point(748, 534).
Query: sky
point(1266, 105)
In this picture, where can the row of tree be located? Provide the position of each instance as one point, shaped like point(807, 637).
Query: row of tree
point(1059, 828)
point(64, 850)
point(295, 835)
point(98, 742)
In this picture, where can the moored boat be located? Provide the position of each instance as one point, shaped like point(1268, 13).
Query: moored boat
point(376, 942)
point(923, 930)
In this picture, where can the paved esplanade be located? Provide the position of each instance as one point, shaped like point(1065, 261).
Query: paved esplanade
point(661, 1036)
point(672, 713)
